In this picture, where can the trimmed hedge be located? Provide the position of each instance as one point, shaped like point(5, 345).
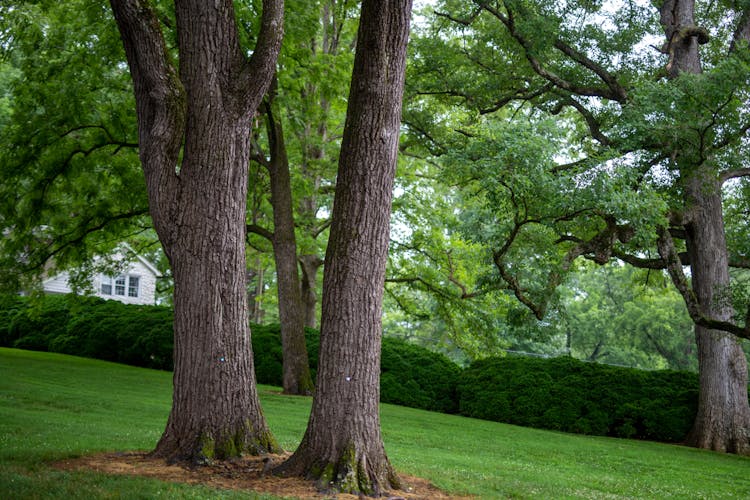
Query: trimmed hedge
point(410, 375)
point(92, 328)
point(142, 336)
point(572, 396)
point(413, 376)
point(267, 356)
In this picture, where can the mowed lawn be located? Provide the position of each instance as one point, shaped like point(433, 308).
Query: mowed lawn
point(55, 406)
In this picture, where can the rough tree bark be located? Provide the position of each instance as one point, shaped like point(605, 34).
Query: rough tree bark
point(342, 446)
point(723, 419)
point(198, 207)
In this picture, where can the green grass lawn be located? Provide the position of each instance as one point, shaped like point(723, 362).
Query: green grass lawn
point(54, 407)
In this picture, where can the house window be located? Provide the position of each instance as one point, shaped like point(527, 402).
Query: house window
point(120, 285)
point(106, 285)
point(133, 283)
point(123, 285)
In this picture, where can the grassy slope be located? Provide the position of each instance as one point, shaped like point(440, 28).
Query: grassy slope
point(54, 406)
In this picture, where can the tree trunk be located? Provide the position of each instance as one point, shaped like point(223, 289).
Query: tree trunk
point(215, 409)
point(296, 364)
point(309, 264)
point(255, 292)
point(723, 419)
point(198, 209)
point(342, 446)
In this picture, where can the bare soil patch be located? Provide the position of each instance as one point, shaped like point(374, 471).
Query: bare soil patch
point(246, 473)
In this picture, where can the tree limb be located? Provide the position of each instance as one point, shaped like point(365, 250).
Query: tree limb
point(161, 104)
point(260, 231)
point(263, 61)
point(541, 70)
point(74, 237)
point(669, 254)
point(608, 78)
point(588, 116)
point(733, 174)
point(457, 20)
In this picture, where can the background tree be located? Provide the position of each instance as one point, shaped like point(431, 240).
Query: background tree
point(584, 142)
point(318, 78)
point(342, 444)
point(296, 366)
point(308, 61)
point(194, 125)
point(617, 314)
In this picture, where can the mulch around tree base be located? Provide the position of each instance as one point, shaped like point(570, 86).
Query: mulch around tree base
point(246, 473)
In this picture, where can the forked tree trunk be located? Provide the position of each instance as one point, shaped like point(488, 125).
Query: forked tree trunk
point(723, 419)
point(215, 408)
point(198, 208)
point(342, 446)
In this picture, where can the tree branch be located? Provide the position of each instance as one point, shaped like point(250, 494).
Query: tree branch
point(462, 22)
point(519, 95)
point(76, 236)
point(733, 174)
point(160, 103)
point(251, 82)
point(588, 116)
point(260, 231)
point(541, 70)
point(739, 262)
point(608, 78)
point(317, 230)
point(669, 254)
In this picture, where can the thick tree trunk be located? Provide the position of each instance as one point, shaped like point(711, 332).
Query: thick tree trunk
point(342, 446)
point(296, 365)
point(211, 416)
point(199, 211)
point(723, 419)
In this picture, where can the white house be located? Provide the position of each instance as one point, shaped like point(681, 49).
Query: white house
point(135, 284)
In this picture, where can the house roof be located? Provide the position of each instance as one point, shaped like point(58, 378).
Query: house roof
point(142, 260)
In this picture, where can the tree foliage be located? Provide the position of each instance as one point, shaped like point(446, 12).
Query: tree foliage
point(583, 140)
point(72, 185)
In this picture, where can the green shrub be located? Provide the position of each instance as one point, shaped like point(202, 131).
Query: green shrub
point(266, 341)
point(36, 322)
point(572, 396)
point(90, 327)
point(10, 305)
point(410, 375)
point(417, 377)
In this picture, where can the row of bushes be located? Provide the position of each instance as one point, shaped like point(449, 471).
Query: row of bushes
point(572, 396)
point(561, 394)
point(142, 336)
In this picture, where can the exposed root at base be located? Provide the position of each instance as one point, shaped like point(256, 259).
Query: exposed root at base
point(244, 473)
